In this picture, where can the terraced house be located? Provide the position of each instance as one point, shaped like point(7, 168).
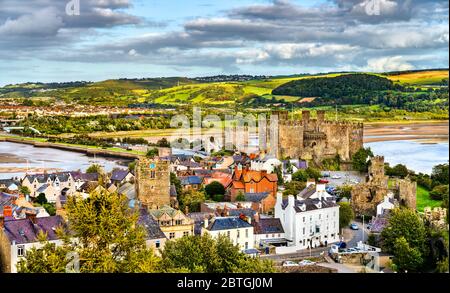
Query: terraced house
point(52, 185)
point(173, 223)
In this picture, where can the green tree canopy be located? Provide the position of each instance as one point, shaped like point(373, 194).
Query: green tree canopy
point(204, 254)
point(41, 199)
point(407, 258)
point(440, 174)
point(95, 168)
point(360, 160)
point(439, 192)
point(214, 188)
point(191, 199)
point(24, 190)
point(346, 214)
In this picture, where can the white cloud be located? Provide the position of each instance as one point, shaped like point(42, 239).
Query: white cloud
point(385, 64)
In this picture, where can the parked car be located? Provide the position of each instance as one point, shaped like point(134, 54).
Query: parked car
point(323, 181)
point(306, 262)
point(353, 226)
point(336, 177)
point(289, 263)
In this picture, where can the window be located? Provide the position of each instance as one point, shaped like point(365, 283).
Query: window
point(273, 235)
point(228, 234)
point(185, 233)
point(158, 244)
point(303, 219)
point(153, 174)
point(320, 216)
point(246, 232)
point(267, 235)
point(279, 235)
point(179, 222)
point(246, 245)
point(171, 235)
point(238, 233)
point(20, 250)
point(310, 218)
point(303, 230)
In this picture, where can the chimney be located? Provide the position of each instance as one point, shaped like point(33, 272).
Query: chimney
point(31, 216)
point(256, 217)
point(249, 220)
point(7, 211)
point(2, 221)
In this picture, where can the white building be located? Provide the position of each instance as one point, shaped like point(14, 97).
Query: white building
point(239, 231)
point(267, 163)
point(386, 204)
point(310, 219)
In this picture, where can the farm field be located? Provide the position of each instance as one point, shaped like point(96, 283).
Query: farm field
point(420, 77)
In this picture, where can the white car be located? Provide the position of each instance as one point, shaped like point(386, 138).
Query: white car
point(336, 177)
point(289, 263)
point(306, 262)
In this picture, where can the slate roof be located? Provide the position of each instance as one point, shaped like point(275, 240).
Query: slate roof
point(128, 190)
point(9, 182)
point(151, 225)
point(268, 226)
point(84, 176)
point(119, 174)
point(246, 212)
point(24, 231)
point(190, 180)
point(199, 220)
point(308, 191)
point(256, 197)
point(311, 204)
point(190, 164)
point(42, 178)
point(227, 223)
point(43, 188)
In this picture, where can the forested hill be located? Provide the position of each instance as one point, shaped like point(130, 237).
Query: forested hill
point(336, 87)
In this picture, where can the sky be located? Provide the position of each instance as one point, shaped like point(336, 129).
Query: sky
point(40, 41)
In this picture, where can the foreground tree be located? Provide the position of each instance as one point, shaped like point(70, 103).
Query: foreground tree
point(109, 239)
point(204, 254)
point(214, 188)
point(407, 258)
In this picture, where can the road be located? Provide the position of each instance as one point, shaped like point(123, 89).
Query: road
point(299, 254)
point(357, 234)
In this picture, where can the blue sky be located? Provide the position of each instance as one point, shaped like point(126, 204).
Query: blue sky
point(150, 38)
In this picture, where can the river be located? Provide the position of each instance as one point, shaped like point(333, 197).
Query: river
point(16, 159)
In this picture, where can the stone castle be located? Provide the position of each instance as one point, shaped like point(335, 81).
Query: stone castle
point(367, 195)
point(317, 139)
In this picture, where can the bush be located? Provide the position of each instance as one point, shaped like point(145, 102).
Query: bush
point(439, 192)
point(214, 188)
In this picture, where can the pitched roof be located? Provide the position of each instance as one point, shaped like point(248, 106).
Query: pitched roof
point(119, 174)
point(257, 176)
point(223, 178)
point(308, 191)
point(238, 185)
point(189, 180)
point(24, 231)
point(199, 220)
point(238, 212)
point(84, 176)
point(256, 197)
point(151, 225)
point(43, 178)
point(128, 190)
point(227, 223)
point(268, 226)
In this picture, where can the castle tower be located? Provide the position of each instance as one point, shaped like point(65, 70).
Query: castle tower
point(320, 116)
point(153, 182)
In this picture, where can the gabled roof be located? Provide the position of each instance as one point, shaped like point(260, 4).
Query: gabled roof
point(119, 174)
point(24, 231)
point(268, 226)
point(43, 188)
point(308, 191)
point(227, 223)
point(257, 176)
point(151, 225)
point(238, 185)
point(84, 176)
point(256, 197)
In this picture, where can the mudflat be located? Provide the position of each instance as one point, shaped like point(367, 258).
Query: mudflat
point(432, 132)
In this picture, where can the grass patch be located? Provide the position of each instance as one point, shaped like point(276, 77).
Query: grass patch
point(424, 200)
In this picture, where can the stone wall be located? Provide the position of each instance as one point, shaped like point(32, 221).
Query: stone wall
point(153, 182)
point(407, 192)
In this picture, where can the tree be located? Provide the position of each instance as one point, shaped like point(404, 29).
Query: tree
point(41, 199)
point(345, 191)
point(360, 160)
point(277, 170)
point(151, 153)
point(293, 187)
point(191, 199)
point(404, 223)
point(174, 180)
point(240, 196)
point(214, 188)
point(304, 175)
point(440, 174)
point(95, 168)
point(439, 192)
point(163, 143)
point(406, 258)
point(398, 170)
point(346, 214)
point(204, 254)
point(109, 238)
point(24, 190)
point(132, 166)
